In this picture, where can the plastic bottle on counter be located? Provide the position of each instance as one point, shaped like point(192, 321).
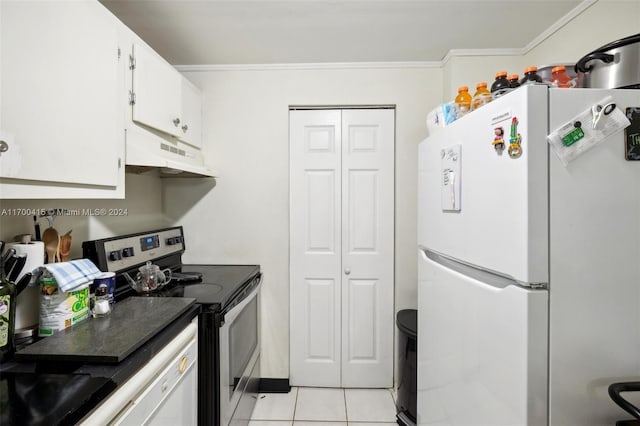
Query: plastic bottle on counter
point(462, 101)
point(531, 76)
point(7, 315)
point(513, 81)
point(481, 97)
point(560, 78)
point(500, 86)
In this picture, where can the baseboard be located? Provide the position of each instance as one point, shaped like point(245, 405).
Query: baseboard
point(268, 385)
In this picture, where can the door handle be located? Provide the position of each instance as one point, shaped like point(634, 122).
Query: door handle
point(347, 271)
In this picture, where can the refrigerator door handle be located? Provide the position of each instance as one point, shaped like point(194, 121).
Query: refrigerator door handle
point(487, 276)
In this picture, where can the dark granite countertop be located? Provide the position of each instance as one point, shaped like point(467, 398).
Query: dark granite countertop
point(112, 338)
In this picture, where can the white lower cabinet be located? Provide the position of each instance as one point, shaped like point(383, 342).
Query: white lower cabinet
point(163, 392)
point(61, 97)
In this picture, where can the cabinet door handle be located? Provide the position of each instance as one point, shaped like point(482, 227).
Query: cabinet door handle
point(183, 364)
point(4, 147)
point(176, 122)
point(185, 128)
point(347, 271)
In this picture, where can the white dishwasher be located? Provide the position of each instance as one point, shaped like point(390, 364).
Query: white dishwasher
point(163, 392)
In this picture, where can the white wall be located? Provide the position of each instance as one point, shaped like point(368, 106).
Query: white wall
point(245, 219)
point(143, 206)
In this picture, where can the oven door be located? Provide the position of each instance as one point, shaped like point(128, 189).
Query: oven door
point(239, 352)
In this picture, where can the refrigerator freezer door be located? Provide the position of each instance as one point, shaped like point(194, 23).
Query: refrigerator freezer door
point(594, 306)
point(481, 349)
point(500, 217)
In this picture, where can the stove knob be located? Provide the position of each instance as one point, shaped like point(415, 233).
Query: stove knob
point(127, 252)
point(173, 241)
point(115, 255)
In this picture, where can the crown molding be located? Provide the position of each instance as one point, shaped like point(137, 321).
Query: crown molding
point(454, 53)
point(309, 66)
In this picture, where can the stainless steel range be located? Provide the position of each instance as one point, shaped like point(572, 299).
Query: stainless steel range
point(228, 326)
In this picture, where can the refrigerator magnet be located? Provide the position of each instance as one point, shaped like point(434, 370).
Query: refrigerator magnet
point(574, 135)
point(498, 140)
point(515, 140)
point(632, 134)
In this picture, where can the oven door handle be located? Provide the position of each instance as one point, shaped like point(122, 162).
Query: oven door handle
point(232, 314)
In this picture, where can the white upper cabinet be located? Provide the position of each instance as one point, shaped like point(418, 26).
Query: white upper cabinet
point(156, 92)
point(191, 121)
point(61, 113)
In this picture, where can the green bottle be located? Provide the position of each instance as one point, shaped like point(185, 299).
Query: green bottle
point(7, 316)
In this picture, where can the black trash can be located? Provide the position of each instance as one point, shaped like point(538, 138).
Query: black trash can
point(406, 403)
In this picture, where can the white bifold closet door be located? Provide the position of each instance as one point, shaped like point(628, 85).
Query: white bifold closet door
point(342, 247)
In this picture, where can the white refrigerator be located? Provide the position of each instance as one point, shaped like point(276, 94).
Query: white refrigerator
point(529, 269)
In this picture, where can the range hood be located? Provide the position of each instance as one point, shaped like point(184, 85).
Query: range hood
point(146, 151)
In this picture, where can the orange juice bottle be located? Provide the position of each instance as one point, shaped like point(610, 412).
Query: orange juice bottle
point(560, 78)
point(462, 101)
point(481, 97)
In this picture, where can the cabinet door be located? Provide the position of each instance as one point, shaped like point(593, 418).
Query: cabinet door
point(191, 120)
point(156, 86)
point(59, 93)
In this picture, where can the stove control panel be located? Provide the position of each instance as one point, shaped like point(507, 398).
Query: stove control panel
point(121, 253)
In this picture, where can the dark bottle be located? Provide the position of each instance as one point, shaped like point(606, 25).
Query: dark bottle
point(530, 76)
point(500, 86)
point(7, 316)
point(513, 81)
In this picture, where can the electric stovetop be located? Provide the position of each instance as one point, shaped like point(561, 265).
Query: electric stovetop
point(214, 286)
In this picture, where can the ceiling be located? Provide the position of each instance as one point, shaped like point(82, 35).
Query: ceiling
point(214, 32)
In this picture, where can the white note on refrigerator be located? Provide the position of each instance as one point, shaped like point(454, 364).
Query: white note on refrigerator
point(451, 182)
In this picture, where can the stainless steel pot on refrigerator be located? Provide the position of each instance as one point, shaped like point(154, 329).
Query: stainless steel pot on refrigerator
point(615, 65)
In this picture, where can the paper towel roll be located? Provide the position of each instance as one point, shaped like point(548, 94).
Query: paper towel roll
point(28, 302)
point(35, 255)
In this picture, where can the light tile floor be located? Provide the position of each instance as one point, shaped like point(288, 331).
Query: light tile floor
point(326, 407)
